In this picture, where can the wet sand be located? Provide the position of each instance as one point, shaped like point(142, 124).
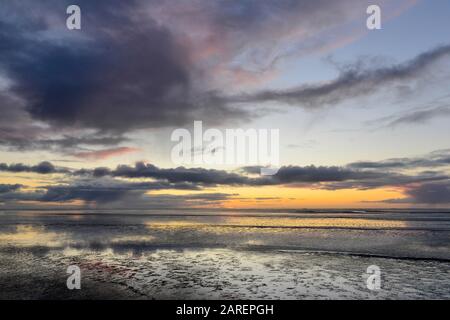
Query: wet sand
point(217, 274)
point(216, 257)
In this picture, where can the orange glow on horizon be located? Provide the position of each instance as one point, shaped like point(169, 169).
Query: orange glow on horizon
point(294, 198)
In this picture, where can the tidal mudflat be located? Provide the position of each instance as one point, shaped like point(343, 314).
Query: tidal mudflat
point(225, 256)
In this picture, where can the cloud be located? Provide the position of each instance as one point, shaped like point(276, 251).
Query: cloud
point(16, 126)
point(103, 190)
point(387, 179)
point(439, 158)
point(85, 193)
point(151, 64)
point(431, 193)
point(180, 174)
point(5, 188)
point(211, 177)
point(360, 175)
point(22, 137)
point(354, 81)
point(103, 185)
point(425, 194)
point(313, 174)
point(109, 192)
point(105, 153)
point(345, 177)
point(41, 168)
point(241, 42)
point(124, 71)
point(421, 116)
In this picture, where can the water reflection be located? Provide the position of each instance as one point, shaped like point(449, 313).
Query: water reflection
point(28, 236)
point(282, 223)
point(408, 235)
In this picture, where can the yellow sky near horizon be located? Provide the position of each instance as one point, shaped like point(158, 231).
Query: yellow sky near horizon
point(283, 197)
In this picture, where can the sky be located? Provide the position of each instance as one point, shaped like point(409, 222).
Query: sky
point(86, 116)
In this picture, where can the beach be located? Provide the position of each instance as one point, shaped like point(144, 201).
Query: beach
point(225, 255)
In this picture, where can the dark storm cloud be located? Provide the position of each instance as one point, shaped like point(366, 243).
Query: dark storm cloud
point(121, 71)
point(41, 168)
point(355, 80)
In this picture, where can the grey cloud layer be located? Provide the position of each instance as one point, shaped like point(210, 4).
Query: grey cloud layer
point(105, 185)
point(42, 168)
point(324, 177)
point(437, 158)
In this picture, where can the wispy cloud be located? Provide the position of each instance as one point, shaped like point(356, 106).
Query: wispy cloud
point(418, 116)
point(354, 81)
point(438, 158)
